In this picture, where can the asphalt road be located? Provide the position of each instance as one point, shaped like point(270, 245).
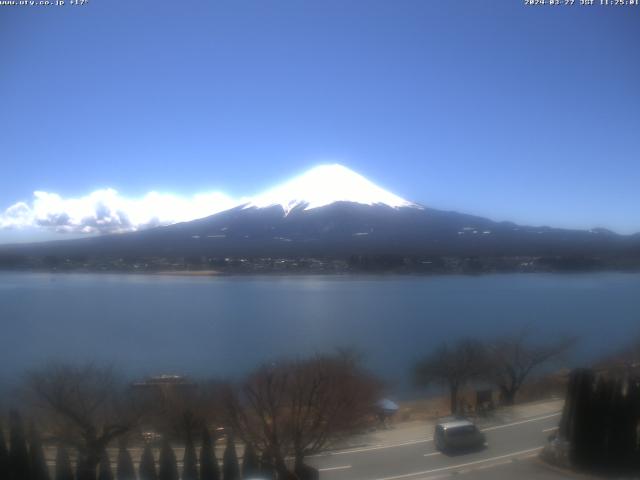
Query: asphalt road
point(510, 453)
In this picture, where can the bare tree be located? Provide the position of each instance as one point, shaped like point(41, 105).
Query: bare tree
point(452, 366)
point(297, 408)
point(181, 408)
point(85, 406)
point(512, 359)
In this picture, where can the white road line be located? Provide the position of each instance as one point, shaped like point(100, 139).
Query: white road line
point(531, 455)
point(376, 447)
point(329, 469)
point(460, 465)
point(551, 429)
point(497, 427)
point(433, 477)
point(484, 467)
point(425, 440)
point(432, 454)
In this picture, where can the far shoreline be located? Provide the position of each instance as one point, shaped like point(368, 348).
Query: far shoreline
point(178, 273)
point(307, 273)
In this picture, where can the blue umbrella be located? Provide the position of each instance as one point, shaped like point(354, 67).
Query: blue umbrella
point(388, 406)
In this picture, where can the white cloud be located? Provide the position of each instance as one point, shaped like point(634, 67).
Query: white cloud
point(106, 211)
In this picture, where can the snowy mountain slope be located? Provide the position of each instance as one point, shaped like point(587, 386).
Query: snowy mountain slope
point(324, 185)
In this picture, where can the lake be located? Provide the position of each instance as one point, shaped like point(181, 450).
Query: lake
point(224, 326)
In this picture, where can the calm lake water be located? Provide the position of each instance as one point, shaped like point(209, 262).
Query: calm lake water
point(225, 326)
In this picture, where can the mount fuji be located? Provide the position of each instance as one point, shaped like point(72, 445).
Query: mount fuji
point(332, 212)
point(324, 185)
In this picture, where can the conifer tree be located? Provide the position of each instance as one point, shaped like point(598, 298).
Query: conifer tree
point(81, 466)
point(18, 454)
point(266, 466)
point(37, 463)
point(125, 470)
point(634, 398)
point(600, 426)
point(168, 465)
point(209, 469)
point(250, 462)
point(63, 464)
point(190, 460)
point(4, 456)
point(620, 439)
point(147, 468)
point(230, 466)
point(104, 467)
point(578, 429)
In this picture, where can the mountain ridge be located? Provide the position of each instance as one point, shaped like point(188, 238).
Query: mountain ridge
point(301, 219)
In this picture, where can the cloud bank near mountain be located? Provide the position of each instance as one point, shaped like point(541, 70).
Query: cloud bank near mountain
point(107, 211)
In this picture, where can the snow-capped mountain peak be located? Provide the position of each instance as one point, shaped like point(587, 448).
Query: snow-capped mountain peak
point(324, 185)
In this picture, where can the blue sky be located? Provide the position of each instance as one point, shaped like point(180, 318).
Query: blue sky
point(530, 114)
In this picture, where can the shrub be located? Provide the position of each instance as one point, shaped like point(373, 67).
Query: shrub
point(63, 464)
point(209, 469)
point(4, 456)
point(104, 468)
point(230, 466)
point(18, 455)
point(125, 470)
point(250, 462)
point(37, 463)
point(168, 464)
point(190, 461)
point(147, 468)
